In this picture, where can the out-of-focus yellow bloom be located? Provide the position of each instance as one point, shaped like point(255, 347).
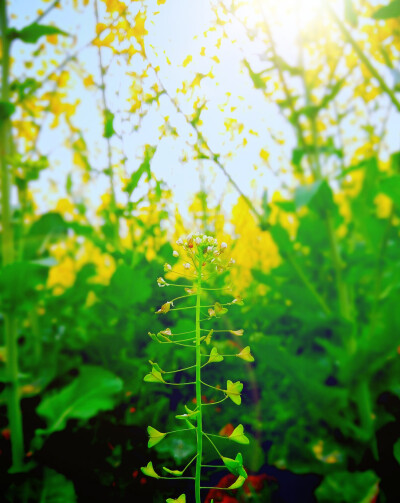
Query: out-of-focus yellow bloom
point(254, 248)
point(288, 221)
point(383, 205)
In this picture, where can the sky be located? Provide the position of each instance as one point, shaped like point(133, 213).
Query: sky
point(176, 31)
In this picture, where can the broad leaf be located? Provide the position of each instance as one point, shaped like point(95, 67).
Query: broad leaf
point(93, 390)
point(238, 435)
point(149, 470)
point(246, 355)
point(388, 11)
point(57, 488)
point(233, 390)
point(155, 436)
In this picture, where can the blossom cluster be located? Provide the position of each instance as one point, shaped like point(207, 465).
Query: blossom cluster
point(201, 247)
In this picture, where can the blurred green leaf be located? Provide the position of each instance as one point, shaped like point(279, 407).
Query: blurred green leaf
point(31, 33)
point(108, 124)
point(57, 488)
point(388, 11)
point(348, 487)
point(94, 390)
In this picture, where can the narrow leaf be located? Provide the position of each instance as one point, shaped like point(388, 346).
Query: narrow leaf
point(31, 33)
point(177, 473)
point(238, 483)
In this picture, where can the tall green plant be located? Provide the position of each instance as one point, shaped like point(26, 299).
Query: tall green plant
point(205, 259)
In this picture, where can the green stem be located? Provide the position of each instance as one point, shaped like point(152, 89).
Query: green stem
point(10, 321)
point(367, 61)
point(198, 392)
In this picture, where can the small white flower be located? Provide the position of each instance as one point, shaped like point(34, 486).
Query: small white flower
point(161, 282)
point(186, 265)
point(232, 261)
point(167, 267)
point(198, 241)
point(175, 253)
point(223, 245)
point(209, 249)
point(179, 242)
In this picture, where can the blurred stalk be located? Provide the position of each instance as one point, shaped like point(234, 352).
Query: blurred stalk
point(10, 320)
point(367, 61)
point(113, 205)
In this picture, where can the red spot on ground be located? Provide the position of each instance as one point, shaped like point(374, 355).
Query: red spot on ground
point(132, 410)
point(135, 474)
point(143, 481)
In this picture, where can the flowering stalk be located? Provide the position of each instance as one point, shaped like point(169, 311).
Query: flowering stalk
point(206, 259)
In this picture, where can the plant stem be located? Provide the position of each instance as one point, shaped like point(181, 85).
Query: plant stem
point(198, 391)
point(10, 321)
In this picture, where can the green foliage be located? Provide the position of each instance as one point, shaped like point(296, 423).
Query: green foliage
point(388, 11)
point(345, 487)
point(92, 391)
point(30, 34)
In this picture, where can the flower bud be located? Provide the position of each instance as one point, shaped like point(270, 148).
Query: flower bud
point(161, 282)
point(175, 253)
point(186, 265)
point(167, 267)
point(198, 241)
point(179, 242)
point(223, 245)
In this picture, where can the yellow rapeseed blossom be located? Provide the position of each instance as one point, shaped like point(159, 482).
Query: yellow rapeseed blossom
point(254, 249)
point(383, 205)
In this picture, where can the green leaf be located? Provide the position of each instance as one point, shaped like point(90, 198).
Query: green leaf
point(219, 310)
point(149, 471)
point(31, 33)
point(108, 124)
point(235, 466)
point(181, 499)
point(92, 391)
point(57, 488)
point(45, 230)
point(391, 187)
point(177, 473)
point(155, 436)
point(215, 356)
point(128, 287)
point(155, 376)
point(258, 81)
point(388, 11)
point(144, 168)
point(233, 391)
point(246, 355)
point(6, 109)
point(346, 487)
point(396, 450)
point(18, 282)
point(156, 367)
point(238, 482)
point(238, 435)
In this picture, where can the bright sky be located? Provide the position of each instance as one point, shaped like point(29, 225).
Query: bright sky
point(176, 32)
